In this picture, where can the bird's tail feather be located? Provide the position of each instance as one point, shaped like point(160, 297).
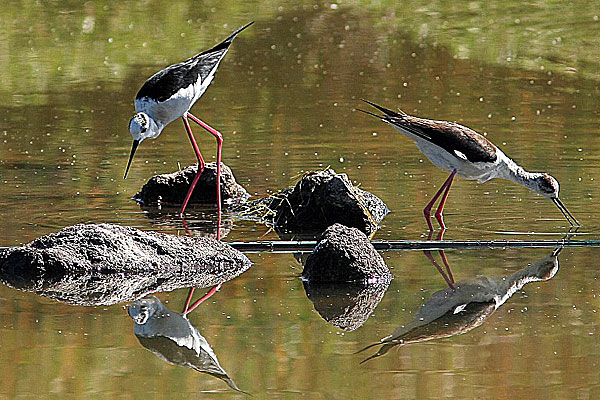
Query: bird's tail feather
point(225, 43)
point(384, 110)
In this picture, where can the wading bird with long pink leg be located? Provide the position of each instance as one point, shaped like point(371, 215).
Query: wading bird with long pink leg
point(170, 94)
point(460, 150)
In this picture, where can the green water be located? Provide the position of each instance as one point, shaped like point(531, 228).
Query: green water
point(526, 73)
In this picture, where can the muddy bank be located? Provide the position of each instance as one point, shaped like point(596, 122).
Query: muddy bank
point(108, 264)
point(345, 254)
point(171, 189)
point(317, 201)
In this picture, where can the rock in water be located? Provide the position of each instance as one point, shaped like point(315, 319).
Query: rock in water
point(172, 188)
point(107, 264)
point(345, 254)
point(317, 201)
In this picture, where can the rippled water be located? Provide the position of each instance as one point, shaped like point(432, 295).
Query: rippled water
point(284, 98)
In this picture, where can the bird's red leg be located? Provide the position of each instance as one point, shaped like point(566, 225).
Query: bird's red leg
point(219, 138)
point(200, 164)
point(440, 209)
point(188, 309)
point(427, 210)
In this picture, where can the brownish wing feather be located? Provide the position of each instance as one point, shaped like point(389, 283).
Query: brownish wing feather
point(450, 136)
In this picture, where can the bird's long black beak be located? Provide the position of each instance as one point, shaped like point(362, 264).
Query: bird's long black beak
point(565, 212)
point(133, 149)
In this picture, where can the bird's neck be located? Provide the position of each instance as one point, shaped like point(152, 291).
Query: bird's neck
point(515, 173)
point(539, 271)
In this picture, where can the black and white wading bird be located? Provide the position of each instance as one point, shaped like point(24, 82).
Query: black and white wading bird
point(170, 94)
point(460, 150)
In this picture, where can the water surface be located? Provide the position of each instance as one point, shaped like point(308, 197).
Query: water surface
point(284, 98)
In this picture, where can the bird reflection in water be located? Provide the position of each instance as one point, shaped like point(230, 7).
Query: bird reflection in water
point(188, 308)
point(464, 305)
point(172, 337)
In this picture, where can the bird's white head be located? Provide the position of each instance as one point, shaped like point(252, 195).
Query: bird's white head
point(141, 127)
point(547, 185)
point(142, 310)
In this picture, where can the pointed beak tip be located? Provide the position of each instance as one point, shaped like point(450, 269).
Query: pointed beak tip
point(567, 214)
point(133, 149)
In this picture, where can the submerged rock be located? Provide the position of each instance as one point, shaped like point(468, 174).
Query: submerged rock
point(107, 264)
point(173, 338)
point(345, 254)
point(317, 201)
point(345, 305)
point(172, 188)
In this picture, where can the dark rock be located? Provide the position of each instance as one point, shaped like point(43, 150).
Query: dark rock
point(345, 305)
point(317, 201)
point(345, 254)
point(108, 264)
point(174, 339)
point(172, 188)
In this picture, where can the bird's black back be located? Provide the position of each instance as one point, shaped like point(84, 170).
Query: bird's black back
point(450, 136)
point(164, 84)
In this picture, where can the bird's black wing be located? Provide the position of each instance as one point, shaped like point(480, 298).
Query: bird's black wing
point(456, 139)
point(164, 84)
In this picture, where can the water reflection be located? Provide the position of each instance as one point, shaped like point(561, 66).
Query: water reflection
point(464, 305)
point(172, 337)
point(345, 305)
point(201, 220)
